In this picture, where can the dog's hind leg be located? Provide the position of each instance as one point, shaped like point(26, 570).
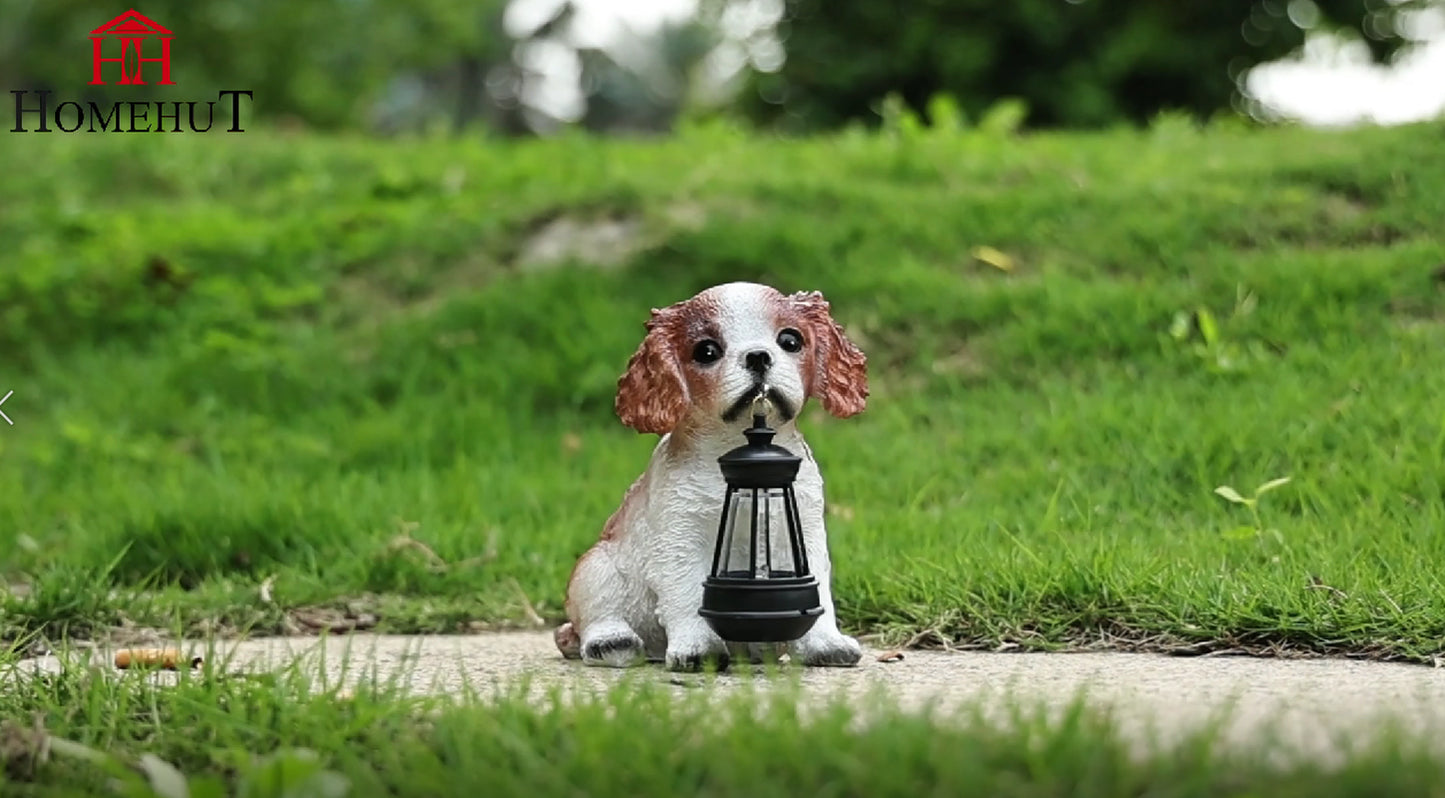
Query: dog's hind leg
point(600, 602)
point(567, 640)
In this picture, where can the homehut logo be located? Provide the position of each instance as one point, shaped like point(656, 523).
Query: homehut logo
point(131, 34)
point(131, 29)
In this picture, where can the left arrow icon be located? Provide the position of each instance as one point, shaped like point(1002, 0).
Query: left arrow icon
point(2, 412)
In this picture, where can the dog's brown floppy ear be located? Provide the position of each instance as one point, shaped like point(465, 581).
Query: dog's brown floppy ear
point(652, 395)
point(839, 375)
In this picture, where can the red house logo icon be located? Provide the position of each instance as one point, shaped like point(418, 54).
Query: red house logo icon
point(132, 29)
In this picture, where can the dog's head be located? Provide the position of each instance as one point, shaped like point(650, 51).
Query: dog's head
point(704, 360)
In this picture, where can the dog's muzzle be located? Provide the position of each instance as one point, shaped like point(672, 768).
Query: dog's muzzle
point(745, 401)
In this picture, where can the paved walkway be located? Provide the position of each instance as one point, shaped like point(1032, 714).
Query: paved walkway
point(1305, 705)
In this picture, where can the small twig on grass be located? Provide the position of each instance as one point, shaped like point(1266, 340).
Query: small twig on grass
point(931, 635)
point(406, 541)
point(435, 562)
point(1319, 584)
point(1231, 651)
point(530, 611)
point(332, 620)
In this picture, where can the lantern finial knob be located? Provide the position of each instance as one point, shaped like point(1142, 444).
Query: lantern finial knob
point(760, 434)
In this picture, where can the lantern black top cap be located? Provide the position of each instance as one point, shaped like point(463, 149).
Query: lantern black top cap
point(760, 463)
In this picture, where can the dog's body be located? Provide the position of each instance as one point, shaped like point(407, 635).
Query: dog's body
point(635, 594)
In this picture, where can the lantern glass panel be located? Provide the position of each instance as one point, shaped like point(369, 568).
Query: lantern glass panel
point(756, 544)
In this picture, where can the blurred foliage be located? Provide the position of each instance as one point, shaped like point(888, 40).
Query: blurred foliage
point(1074, 63)
point(382, 65)
point(317, 61)
point(397, 65)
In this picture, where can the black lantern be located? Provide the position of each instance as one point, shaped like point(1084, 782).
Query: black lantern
point(760, 589)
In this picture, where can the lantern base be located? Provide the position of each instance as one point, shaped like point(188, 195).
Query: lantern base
point(760, 610)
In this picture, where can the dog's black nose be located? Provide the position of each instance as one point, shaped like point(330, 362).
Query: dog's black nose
point(758, 360)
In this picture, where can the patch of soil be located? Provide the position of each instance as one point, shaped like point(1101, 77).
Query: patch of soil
point(602, 243)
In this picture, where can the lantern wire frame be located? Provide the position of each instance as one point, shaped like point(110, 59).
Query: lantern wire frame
point(758, 503)
point(781, 604)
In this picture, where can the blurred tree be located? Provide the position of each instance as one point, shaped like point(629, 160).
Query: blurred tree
point(384, 65)
point(1081, 63)
point(319, 62)
point(638, 82)
point(645, 82)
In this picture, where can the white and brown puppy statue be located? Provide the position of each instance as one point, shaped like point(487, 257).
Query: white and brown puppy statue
point(635, 594)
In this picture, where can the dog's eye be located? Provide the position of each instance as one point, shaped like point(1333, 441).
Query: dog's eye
point(707, 352)
point(790, 340)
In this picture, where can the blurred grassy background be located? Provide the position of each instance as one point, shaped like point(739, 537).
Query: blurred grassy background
point(377, 376)
point(354, 368)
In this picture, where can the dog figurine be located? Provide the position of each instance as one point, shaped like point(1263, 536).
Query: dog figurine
point(634, 595)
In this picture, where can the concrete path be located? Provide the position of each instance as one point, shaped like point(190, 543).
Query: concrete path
point(1309, 706)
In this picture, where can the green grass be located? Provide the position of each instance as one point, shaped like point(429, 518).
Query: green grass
point(283, 737)
point(279, 359)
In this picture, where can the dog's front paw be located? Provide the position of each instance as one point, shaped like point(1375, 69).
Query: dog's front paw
point(837, 651)
point(615, 649)
point(697, 653)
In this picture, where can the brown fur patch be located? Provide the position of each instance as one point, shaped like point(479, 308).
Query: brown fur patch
point(654, 393)
point(836, 370)
point(610, 530)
